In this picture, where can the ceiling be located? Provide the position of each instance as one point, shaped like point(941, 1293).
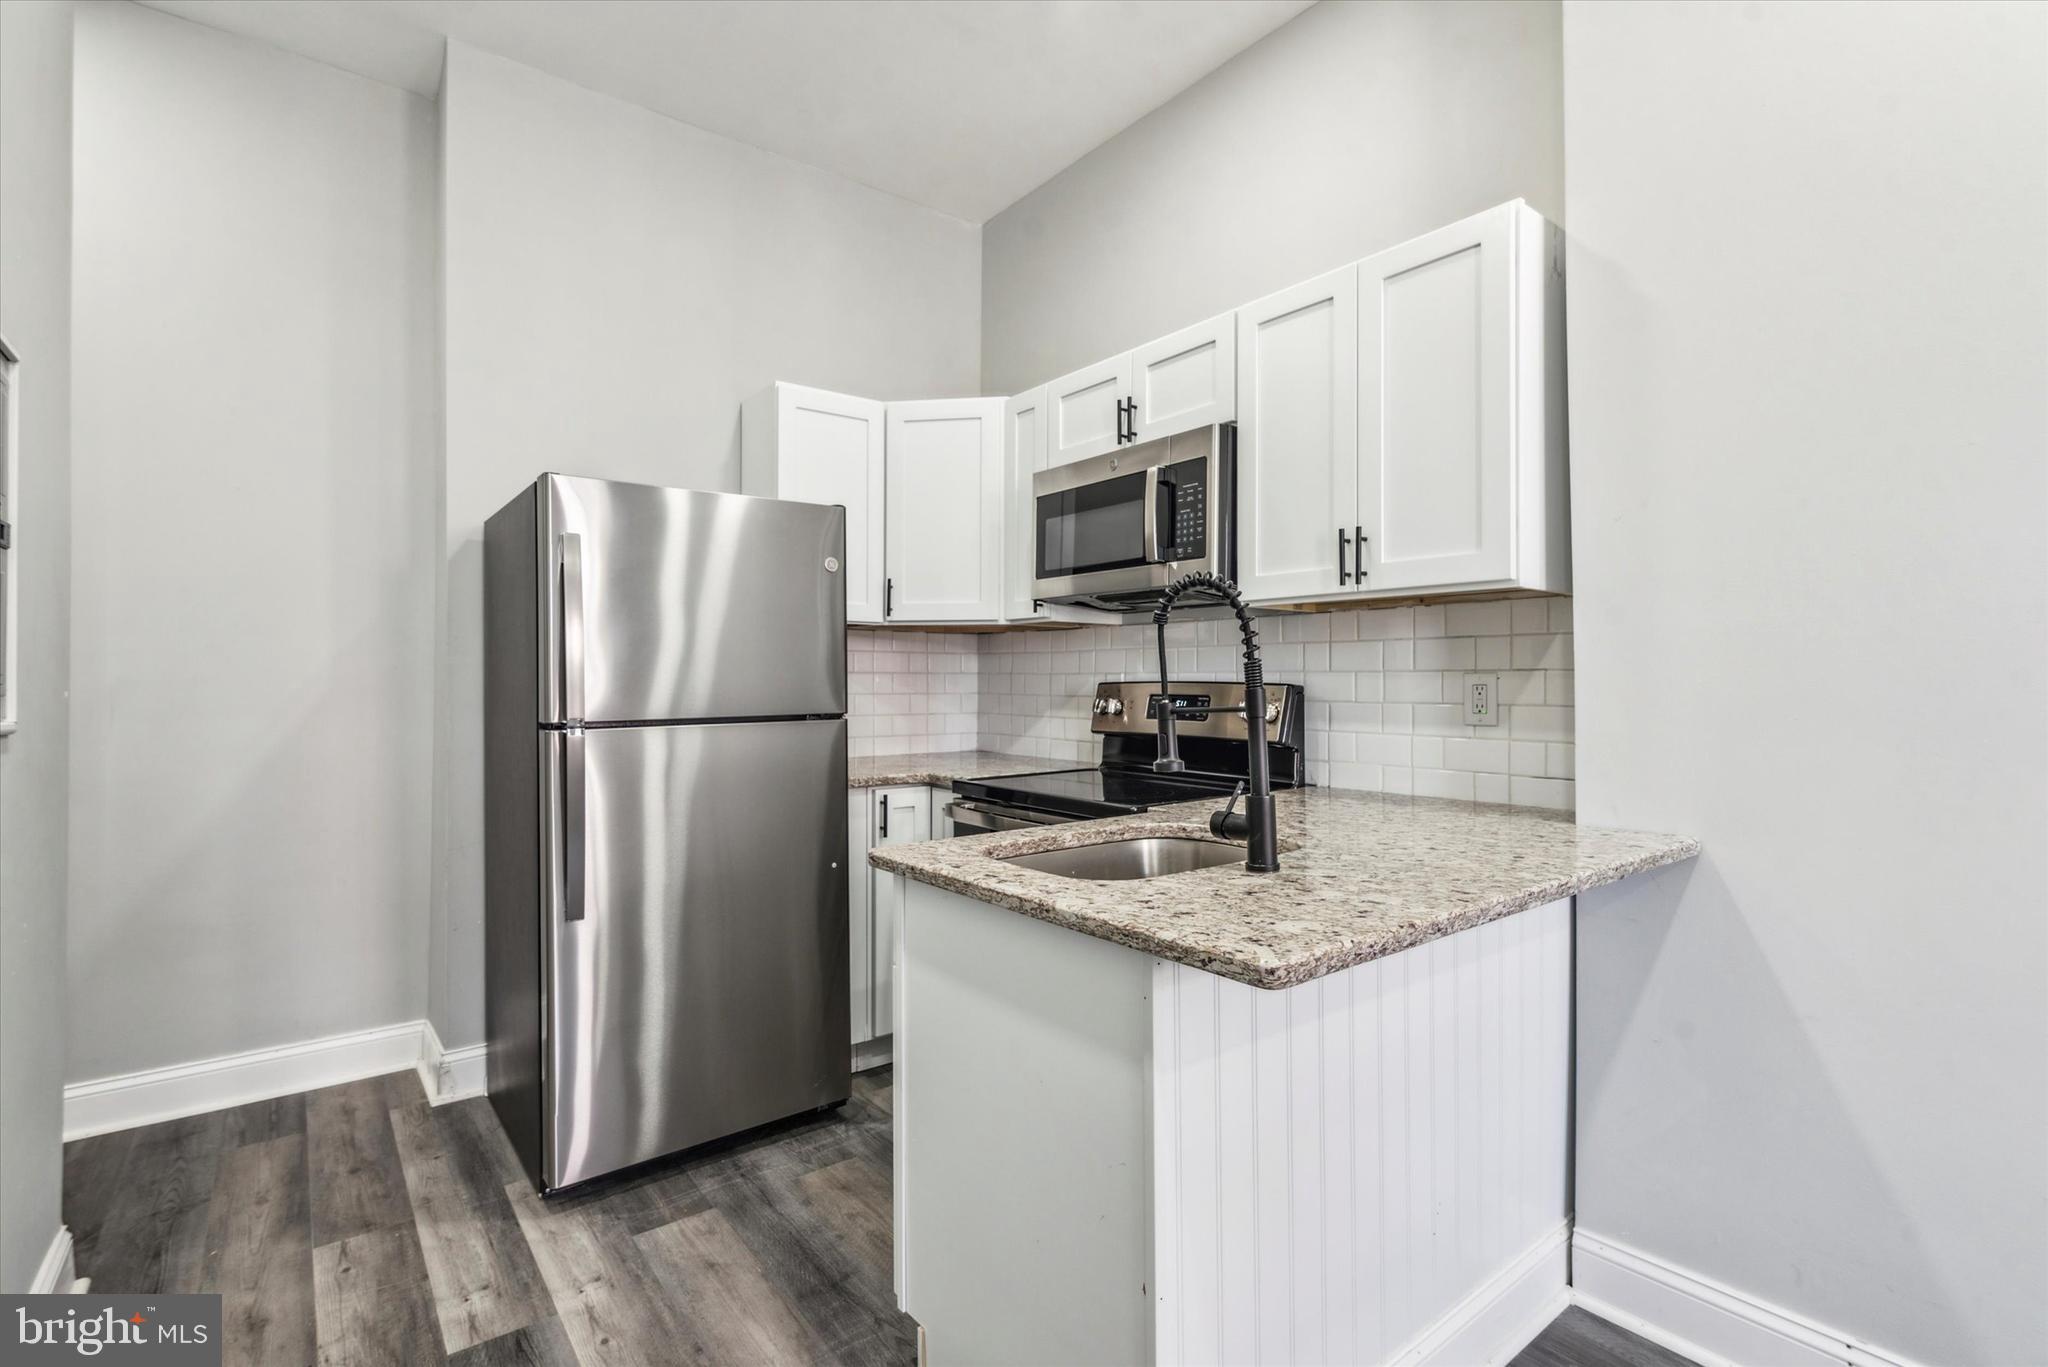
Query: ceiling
point(960, 105)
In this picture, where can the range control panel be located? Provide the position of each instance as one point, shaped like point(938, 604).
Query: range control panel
point(1133, 708)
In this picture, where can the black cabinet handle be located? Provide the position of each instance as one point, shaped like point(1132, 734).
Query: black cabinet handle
point(884, 801)
point(1358, 554)
point(1343, 549)
point(888, 596)
point(1119, 422)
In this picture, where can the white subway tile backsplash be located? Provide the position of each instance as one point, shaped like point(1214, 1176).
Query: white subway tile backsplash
point(1476, 619)
point(1383, 690)
point(1540, 792)
point(1356, 655)
point(1388, 624)
point(1540, 723)
point(1414, 687)
point(1443, 783)
point(1445, 652)
point(1542, 652)
point(1478, 756)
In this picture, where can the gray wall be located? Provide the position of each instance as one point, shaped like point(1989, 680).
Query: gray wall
point(1809, 329)
point(35, 316)
point(1352, 128)
point(617, 283)
point(253, 562)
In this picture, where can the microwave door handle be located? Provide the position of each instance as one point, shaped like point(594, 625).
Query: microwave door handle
point(1151, 544)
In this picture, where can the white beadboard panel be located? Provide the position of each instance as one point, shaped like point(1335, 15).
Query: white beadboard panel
point(1340, 1168)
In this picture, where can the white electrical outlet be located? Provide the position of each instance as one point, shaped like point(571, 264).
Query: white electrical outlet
point(1482, 700)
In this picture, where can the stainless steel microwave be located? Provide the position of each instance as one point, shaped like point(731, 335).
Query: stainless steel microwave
point(1113, 530)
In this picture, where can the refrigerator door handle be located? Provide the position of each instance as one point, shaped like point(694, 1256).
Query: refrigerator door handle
point(572, 627)
point(573, 842)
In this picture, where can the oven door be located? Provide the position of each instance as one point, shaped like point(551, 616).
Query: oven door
point(972, 818)
point(1131, 522)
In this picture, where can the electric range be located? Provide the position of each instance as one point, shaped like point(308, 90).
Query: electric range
point(1216, 746)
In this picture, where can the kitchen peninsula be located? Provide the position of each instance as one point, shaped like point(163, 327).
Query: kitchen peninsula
point(1315, 1115)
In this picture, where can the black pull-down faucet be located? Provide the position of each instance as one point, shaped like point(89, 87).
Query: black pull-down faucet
point(1255, 827)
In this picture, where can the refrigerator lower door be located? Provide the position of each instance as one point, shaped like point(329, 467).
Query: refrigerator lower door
point(703, 990)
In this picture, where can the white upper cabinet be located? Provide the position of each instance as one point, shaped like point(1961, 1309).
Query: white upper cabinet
point(1024, 443)
point(1297, 438)
point(1412, 439)
point(1184, 381)
point(944, 496)
point(814, 446)
point(1086, 410)
point(1435, 361)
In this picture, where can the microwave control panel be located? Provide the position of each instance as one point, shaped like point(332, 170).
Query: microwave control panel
point(1184, 510)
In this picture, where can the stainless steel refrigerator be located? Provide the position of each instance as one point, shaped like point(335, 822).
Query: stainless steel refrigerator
point(665, 824)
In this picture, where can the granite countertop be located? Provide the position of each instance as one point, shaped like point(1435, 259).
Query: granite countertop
point(1362, 876)
point(940, 767)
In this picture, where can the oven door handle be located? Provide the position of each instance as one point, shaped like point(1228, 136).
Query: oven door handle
point(974, 816)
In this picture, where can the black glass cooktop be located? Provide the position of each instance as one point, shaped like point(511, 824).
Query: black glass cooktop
point(1092, 792)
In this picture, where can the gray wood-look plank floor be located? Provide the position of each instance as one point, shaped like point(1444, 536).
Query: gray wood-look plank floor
point(358, 1226)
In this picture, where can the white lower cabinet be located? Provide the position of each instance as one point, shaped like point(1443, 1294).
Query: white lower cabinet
point(881, 816)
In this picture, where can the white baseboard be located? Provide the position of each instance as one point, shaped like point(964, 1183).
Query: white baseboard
point(1502, 1314)
point(1698, 1317)
point(449, 1074)
point(56, 1272)
point(120, 1103)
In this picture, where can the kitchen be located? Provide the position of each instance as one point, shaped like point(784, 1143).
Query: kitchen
point(851, 958)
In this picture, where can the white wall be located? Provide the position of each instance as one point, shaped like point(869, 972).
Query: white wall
point(1809, 334)
point(35, 316)
point(254, 548)
point(616, 284)
point(1352, 128)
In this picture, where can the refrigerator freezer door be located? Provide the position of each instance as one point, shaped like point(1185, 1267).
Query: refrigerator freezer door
point(705, 989)
point(670, 604)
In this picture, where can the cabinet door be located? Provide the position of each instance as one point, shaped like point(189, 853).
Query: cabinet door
point(1187, 380)
point(860, 956)
point(1435, 357)
point(829, 450)
point(945, 511)
point(1024, 456)
point(1297, 437)
point(1081, 410)
point(901, 815)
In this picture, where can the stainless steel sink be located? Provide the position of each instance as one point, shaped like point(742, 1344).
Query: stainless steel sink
point(1147, 857)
